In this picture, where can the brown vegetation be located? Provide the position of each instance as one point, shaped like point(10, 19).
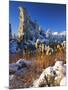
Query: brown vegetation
point(40, 60)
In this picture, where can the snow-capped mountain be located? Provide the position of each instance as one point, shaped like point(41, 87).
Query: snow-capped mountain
point(56, 37)
point(59, 33)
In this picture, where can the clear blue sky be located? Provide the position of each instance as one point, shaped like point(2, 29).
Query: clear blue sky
point(51, 16)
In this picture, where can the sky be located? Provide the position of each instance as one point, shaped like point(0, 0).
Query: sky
point(48, 16)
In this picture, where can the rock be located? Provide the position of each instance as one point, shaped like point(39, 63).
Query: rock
point(59, 68)
point(52, 76)
point(60, 71)
point(20, 64)
point(38, 83)
point(63, 81)
point(11, 77)
point(45, 79)
point(23, 63)
point(21, 24)
point(58, 79)
point(13, 68)
point(21, 72)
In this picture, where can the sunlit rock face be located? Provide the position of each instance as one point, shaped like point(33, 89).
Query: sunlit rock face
point(52, 76)
point(22, 18)
point(28, 29)
point(45, 79)
point(59, 68)
point(63, 82)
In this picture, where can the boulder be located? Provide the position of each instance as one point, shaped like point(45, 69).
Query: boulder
point(13, 68)
point(63, 81)
point(45, 79)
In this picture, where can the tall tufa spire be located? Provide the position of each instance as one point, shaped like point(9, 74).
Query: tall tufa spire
point(22, 18)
